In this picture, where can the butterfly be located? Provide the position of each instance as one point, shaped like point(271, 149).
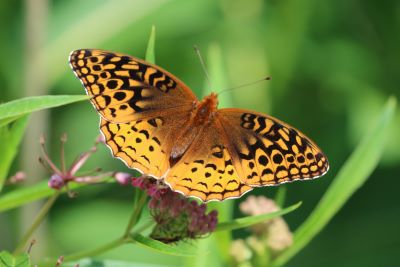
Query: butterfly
point(155, 124)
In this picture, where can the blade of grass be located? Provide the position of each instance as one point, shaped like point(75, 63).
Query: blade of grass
point(10, 137)
point(150, 51)
point(161, 247)
point(280, 196)
point(35, 103)
point(350, 177)
point(251, 220)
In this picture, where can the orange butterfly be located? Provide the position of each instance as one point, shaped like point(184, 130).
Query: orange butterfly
point(154, 123)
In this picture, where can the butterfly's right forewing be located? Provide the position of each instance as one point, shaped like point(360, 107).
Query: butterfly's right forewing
point(123, 88)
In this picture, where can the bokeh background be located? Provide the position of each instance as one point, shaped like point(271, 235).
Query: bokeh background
point(333, 63)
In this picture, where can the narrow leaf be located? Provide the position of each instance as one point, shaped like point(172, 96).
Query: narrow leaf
point(150, 51)
point(251, 220)
point(10, 137)
point(8, 260)
point(350, 177)
point(161, 247)
point(6, 121)
point(280, 196)
point(35, 103)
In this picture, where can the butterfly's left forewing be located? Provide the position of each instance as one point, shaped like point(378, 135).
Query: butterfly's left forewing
point(267, 151)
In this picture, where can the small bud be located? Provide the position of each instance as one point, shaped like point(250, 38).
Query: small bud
point(123, 178)
point(100, 139)
point(17, 178)
point(59, 261)
point(56, 181)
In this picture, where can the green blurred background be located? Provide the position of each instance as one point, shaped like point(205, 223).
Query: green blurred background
point(333, 63)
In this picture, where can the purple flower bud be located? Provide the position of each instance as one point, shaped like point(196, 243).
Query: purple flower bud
point(202, 208)
point(192, 227)
point(212, 224)
point(138, 182)
point(176, 217)
point(153, 203)
point(20, 176)
point(123, 178)
point(56, 181)
point(213, 214)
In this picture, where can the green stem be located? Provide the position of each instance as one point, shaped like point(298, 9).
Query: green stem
point(96, 251)
point(36, 223)
point(118, 242)
point(135, 215)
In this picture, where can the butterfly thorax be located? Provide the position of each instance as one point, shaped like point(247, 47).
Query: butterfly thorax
point(203, 112)
point(202, 115)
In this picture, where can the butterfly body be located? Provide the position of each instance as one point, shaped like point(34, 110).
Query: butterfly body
point(155, 124)
point(202, 115)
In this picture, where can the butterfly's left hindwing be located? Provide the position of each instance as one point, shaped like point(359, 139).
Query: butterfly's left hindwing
point(206, 170)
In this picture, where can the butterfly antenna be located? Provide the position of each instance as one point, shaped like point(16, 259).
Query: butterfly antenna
point(203, 65)
point(244, 85)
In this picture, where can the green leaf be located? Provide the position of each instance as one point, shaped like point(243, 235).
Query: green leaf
point(251, 220)
point(350, 177)
point(23, 106)
point(35, 192)
point(150, 51)
point(161, 247)
point(8, 260)
point(6, 121)
point(280, 196)
point(10, 137)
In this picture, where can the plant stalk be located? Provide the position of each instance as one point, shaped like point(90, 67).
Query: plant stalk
point(96, 251)
point(136, 213)
point(36, 223)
